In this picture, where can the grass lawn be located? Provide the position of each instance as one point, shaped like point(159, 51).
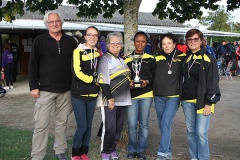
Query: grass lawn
point(15, 144)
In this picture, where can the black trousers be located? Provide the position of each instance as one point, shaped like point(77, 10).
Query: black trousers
point(15, 67)
point(8, 69)
point(113, 121)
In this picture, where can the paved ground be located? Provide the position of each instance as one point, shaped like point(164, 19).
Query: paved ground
point(16, 110)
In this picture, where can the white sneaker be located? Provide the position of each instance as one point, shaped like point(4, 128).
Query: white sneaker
point(11, 87)
point(6, 87)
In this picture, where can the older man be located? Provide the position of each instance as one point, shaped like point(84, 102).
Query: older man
point(50, 83)
point(208, 47)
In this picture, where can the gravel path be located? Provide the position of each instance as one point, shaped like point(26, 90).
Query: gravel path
point(16, 111)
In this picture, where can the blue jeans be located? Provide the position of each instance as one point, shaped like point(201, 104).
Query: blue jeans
point(166, 108)
point(197, 131)
point(84, 112)
point(138, 112)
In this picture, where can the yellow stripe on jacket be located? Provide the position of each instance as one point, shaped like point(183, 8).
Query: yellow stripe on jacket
point(78, 70)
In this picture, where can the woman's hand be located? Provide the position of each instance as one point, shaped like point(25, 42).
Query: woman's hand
point(131, 84)
point(207, 110)
point(144, 83)
point(111, 103)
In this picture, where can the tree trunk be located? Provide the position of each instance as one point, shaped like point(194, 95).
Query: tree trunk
point(130, 11)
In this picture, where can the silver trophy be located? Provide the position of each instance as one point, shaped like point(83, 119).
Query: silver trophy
point(136, 66)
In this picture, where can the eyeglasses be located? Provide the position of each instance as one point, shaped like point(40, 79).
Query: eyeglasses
point(115, 43)
point(92, 35)
point(193, 39)
point(53, 22)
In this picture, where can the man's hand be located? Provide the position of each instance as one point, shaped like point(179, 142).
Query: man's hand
point(35, 93)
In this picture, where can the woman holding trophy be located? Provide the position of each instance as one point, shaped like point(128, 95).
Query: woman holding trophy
point(142, 66)
point(166, 88)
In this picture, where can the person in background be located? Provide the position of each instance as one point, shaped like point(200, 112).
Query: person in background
point(181, 46)
point(50, 83)
point(228, 47)
point(142, 98)
point(148, 49)
point(16, 57)
point(208, 47)
point(8, 66)
point(233, 50)
point(227, 56)
point(238, 59)
point(223, 52)
point(200, 91)
point(215, 48)
point(103, 44)
point(166, 90)
point(114, 80)
point(84, 91)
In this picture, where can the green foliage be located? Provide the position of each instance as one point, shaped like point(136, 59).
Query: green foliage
point(220, 39)
point(182, 10)
point(236, 27)
point(232, 4)
point(91, 9)
point(42, 5)
point(178, 10)
point(11, 9)
point(218, 20)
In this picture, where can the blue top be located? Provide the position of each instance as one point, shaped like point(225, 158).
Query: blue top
point(148, 49)
point(7, 58)
point(103, 46)
point(210, 50)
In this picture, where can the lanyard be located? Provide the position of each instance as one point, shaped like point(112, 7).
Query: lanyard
point(93, 60)
point(170, 65)
point(189, 67)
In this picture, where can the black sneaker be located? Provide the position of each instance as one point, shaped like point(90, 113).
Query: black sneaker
point(132, 155)
point(141, 155)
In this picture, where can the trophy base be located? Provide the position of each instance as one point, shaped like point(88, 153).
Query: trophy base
point(137, 84)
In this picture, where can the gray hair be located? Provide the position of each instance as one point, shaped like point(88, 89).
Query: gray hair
point(114, 34)
point(45, 19)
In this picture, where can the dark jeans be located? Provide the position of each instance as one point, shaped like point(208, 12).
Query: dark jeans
point(84, 111)
point(9, 74)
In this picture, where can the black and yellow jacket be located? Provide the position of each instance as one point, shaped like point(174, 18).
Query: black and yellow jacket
point(168, 84)
point(207, 85)
point(83, 81)
point(146, 73)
